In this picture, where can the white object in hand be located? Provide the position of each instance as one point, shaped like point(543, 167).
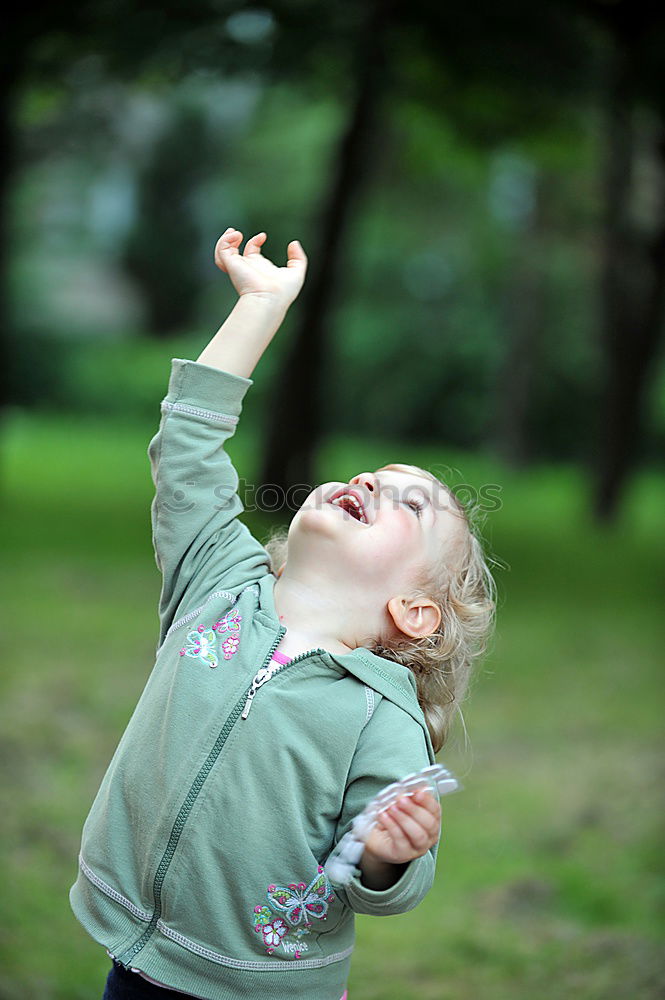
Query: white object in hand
point(341, 864)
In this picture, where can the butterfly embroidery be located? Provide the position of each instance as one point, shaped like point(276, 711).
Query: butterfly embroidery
point(300, 902)
point(202, 644)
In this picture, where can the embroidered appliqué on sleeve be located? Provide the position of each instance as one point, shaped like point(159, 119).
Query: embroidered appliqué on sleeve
point(229, 623)
point(298, 904)
point(202, 642)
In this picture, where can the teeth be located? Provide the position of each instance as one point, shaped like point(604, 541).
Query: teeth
point(349, 497)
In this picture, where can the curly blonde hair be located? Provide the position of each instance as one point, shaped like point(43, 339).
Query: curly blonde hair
point(464, 590)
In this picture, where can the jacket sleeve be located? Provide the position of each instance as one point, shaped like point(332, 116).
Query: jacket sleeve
point(200, 545)
point(391, 746)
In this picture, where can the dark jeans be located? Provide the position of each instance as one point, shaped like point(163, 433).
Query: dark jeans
point(125, 985)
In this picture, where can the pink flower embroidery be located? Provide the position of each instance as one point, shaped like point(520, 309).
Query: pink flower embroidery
point(230, 646)
point(273, 933)
point(229, 623)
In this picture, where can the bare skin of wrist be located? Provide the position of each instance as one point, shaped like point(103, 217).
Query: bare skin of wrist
point(243, 337)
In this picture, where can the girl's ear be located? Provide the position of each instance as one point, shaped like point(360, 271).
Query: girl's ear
point(416, 618)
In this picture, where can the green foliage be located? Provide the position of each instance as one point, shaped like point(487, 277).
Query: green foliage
point(454, 245)
point(127, 378)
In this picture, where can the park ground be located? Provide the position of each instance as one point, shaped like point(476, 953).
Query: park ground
point(549, 880)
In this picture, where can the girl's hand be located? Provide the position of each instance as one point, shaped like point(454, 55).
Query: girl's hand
point(254, 275)
point(405, 831)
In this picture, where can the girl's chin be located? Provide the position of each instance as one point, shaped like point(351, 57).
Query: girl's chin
point(310, 516)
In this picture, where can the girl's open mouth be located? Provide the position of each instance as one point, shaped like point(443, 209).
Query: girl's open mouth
point(352, 503)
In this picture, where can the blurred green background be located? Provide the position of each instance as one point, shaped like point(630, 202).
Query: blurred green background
point(481, 195)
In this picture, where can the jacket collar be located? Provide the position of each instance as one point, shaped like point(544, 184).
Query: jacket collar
point(391, 680)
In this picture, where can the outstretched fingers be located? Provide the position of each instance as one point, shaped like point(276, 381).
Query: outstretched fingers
point(296, 256)
point(253, 245)
point(227, 245)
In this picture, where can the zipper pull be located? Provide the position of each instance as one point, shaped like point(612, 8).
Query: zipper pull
point(248, 704)
point(264, 674)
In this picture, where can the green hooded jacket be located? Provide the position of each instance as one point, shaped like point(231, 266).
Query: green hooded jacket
point(201, 860)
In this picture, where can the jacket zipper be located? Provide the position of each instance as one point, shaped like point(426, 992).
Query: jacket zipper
point(265, 673)
point(262, 676)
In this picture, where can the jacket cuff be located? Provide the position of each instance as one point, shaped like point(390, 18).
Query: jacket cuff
point(406, 893)
point(194, 384)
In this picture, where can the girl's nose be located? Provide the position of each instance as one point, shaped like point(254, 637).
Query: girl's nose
point(366, 479)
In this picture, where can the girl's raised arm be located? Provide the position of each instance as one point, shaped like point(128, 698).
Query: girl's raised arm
point(200, 545)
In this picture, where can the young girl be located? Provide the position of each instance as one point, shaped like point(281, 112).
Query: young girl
point(292, 683)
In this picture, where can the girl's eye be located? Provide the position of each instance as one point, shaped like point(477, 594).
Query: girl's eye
point(417, 506)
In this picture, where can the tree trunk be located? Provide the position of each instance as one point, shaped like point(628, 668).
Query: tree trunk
point(633, 300)
point(294, 434)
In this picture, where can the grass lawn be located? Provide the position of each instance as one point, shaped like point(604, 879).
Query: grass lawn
point(550, 876)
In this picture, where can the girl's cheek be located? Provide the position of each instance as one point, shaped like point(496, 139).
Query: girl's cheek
point(317, 495)
point(392, 544)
